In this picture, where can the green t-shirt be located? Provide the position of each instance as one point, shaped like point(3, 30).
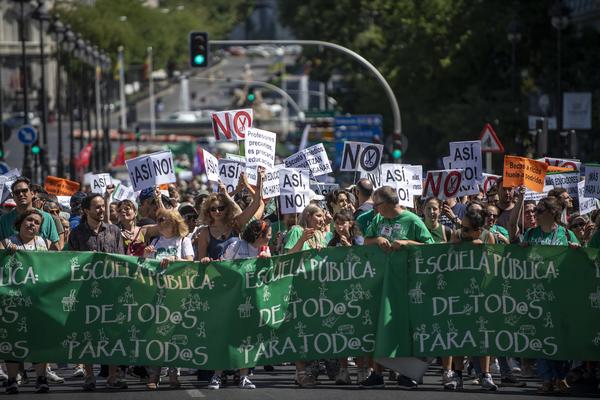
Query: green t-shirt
point(47, 230)
point(294, 234)
point(595, 241)
point(557, 237)
point(364, 220)
point(438, 234)
point(405, 226)
point(499, 229)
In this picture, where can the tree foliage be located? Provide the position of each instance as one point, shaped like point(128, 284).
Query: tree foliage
point(449, 63)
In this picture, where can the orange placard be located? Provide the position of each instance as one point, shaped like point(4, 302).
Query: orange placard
point(552, 168)
point(521, 171)
point(60, 186)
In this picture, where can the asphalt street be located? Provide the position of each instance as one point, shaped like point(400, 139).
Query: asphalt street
point(279, 385)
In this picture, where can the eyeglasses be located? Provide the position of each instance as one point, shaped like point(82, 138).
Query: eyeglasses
point(190, 217)
point(219, 209)
point(20, 191)
point(540, 210)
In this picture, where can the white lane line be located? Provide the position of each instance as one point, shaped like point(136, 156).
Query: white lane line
point(195, 393)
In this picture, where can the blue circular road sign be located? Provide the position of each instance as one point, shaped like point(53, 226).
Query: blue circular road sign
point(4, 168)
point(27, 134)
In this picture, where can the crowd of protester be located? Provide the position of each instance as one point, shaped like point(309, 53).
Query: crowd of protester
point(204, 227)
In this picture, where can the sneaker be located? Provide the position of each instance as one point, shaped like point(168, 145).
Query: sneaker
point(495, 367)
point(406, 382)
point(79, 372)
point(174, 380)
point(487, 383)
point(41, 385)
point(3, 376)
point(546, 388)
point(215, 383)
point(12, 387)
point(304, 379)
point(22, 378)
point(351, 362)
point(343, 377)
point(374, 381)
point(449, 380)
point(362, 374)
point(561, 386)
point(89, 385)
point(475, 382)
point(116, 384)
point(53, 377)
point(245, 383)
point(512, 381)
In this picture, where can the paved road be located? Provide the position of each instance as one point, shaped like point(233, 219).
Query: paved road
point(279, 385)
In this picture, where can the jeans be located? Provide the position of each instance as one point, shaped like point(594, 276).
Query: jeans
point(550, 370)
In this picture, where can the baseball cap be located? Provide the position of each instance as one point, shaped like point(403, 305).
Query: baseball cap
point(187, 208)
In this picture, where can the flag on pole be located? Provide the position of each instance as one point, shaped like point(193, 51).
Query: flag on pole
point(120, 158)
point(198, 166)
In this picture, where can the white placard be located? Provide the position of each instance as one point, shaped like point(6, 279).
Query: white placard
point(87, 178)
point(358, 156)
point(211, 166)
point(592, 181)
point(314, 158)
point(123, 192)
point(294, 190)
point(99, 182)
point(323, 188)
point(489, 181)
point(151, 170)
point(444, 183)
point(271, 182)
point(535, 196)
point(397, 177)
point(467, 155)
point(6, 181)
point(260, 151)
point(567, 180)
point(416, 179)
point(374, 177)
point(586, 204)
point(561, 162)
point(64, 202)
point(235, 157)
point(232, 124)
point(229, 173)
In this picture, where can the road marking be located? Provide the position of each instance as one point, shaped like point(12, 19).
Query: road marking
point(195, 393)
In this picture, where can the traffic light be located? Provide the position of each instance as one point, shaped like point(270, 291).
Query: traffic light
point(35, 149)
point(199, 49)
point(251, 96)
point(397, 146)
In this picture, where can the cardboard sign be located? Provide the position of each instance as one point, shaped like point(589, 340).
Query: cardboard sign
point(374, 177)
point(586, 204)
point(260, 151)
point(314, 158)
point(60, 186)
point(592, 181)
point(271, 182)
point(99, 182)
point(398, 177)
point(64, 202)
point(294, 190)
point(521, 171)
point(211, 166)
point(416, 179)
point(489, 181)
point(6, 181)
point(231, 125)
point(150, 170)
point(467, 156)
point(567, 180)
point(229, 173)
point(123, 192)
point(443, 184)
point(358, 156)
point(561, 162)
point(87, 178)
point(467, 186)
point(235, 157)
point(537, 196)
point(323, 188)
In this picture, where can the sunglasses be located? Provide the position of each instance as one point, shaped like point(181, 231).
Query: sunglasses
point(20, 191)
point(219, 209)
point(190, 217)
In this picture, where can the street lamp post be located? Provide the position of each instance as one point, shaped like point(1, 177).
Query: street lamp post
point(59, 30)
point(560, 20)
point(26, 159)
point(82, 87)
point(71, 41)
point(98, 147)
point(513, 34)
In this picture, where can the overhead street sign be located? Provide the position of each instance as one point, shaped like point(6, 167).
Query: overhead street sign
point(490, 141)
point(27, 134)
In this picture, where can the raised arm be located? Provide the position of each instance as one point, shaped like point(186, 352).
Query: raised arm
point(513, 221)
point(257, 207)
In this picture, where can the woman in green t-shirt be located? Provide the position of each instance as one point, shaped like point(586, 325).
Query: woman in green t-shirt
point(431, 212)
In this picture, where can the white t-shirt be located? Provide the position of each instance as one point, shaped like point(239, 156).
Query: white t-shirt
point(172, 247)
point(242, 249)
point(38, 244)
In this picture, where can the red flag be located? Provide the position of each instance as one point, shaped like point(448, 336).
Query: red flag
point(120, 158)
point(83, 159)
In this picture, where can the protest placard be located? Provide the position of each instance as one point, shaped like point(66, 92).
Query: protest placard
point(586, 204)
point(467, 186)
point(467, 155)
point(537, 196)
point(232, 124)
point(314, 158)
point(87, 178)
point(151, 170)
point(294, 190)
point(211, 166)
point(359, 156)
point(416, 179)
point(271, 182)
point(123, 192)
point(64, 201)
point(489, 181)
point(6, 181)
point(99, 182)
point(398, 177)
point(323, 188)
point(566, 180)
point(60, 186)
point(235, 157)
point(229, 173)
point(443, 183)
point(260, 151)
point(592, 181)
point(561, 162)
point(521, 171)
point(374, 177)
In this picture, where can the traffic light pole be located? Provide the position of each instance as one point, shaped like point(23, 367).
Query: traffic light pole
point(385, 85)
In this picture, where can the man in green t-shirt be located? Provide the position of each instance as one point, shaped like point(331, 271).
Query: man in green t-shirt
point(23, 197)
point(595, 241)
point(394, 226)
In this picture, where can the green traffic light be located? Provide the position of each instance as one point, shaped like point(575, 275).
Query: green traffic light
point(397, 153)
point(199, 59)
point(251, 97)
point(35, 149)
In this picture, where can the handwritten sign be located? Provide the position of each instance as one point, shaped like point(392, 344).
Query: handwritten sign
point(592, 181)
point(60, 186)
point(314, 158)
point(260, 151)
point(211, 166)
point(294, 190)
point(231, 125)
point(358, 156)
point(521, 171)
point(151, 170)
point(99, 182)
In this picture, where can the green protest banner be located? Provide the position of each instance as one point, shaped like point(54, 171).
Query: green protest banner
point(421, 301)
